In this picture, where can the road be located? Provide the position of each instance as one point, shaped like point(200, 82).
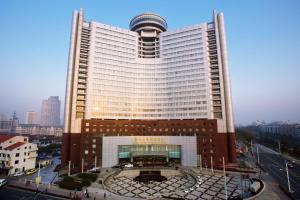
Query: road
point(8, 193)
point(274, 164)
point(47, 173)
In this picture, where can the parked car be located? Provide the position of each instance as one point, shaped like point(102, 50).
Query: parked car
point(3, 182)
point(19, 173)
point(31, 171)
point(290, 165)
point(129, 165)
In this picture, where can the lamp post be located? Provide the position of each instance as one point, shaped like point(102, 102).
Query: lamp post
point(257, 155)
point(211, 164)
point(69, 172)
point(82, 165)
point(288, 177)
point(200, 162)
point(225, 184)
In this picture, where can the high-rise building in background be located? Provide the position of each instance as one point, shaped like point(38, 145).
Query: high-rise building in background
point(31, 117)
point(148, 92)
point(5, 123)
point(8, 125)
point(50, 113)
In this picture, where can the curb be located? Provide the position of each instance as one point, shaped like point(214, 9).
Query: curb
point(33, 190)
point(258, 194)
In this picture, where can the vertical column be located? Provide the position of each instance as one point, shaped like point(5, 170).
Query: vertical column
point(70, 75)
point(227, 93)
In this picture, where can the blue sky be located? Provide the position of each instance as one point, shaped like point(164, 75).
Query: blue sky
point(262, 37)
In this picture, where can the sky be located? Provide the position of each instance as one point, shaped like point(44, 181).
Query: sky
point(262, 39)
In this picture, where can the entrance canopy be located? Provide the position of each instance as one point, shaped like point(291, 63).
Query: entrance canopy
point(139, 150)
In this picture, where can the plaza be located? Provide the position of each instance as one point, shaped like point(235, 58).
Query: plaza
point(189, 184)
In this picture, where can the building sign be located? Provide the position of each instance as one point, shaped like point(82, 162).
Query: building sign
point(148, 140)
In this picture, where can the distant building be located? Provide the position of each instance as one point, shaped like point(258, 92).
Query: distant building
point(31, 117)
point(8, 125)
point(280, 128)
point(36, 129)
point(16, 154)
point(5, 123)
point(14, 123)
point(50, 114)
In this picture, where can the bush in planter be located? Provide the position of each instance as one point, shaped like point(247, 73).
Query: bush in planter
point(85, 182)
point(89, 176)
point(70, 183)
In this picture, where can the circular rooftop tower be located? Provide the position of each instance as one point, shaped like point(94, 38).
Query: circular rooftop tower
point(148, 21)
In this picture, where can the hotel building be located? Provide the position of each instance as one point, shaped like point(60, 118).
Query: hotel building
point(147, 95)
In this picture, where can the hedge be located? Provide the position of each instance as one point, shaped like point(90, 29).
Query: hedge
point(89, 176)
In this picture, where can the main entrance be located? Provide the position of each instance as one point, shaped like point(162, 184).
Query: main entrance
point(149, 154)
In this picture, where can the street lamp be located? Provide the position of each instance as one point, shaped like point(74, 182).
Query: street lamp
point(287, 176)
point(257, 155)
point(225, 184)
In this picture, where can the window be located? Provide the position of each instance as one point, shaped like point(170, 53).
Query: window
point(86, 152)
point(29, 147)
point(17, 161)
point(17, 154)
point(24, 153)
point(24, 160)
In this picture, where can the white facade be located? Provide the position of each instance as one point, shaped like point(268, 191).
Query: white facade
point(186, 78)
point(187, 143)
point(17, 154)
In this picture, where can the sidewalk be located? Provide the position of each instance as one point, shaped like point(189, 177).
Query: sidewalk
point(45, 188)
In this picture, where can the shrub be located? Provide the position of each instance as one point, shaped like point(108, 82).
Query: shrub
point(85, 182)
point(70, 183)
point(89, 176)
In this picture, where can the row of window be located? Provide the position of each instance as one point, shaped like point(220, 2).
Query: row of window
point(149, 128)
point(149, 116)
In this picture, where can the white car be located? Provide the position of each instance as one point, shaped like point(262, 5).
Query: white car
point(2, 182)
point(129, 165)
point(19, 174)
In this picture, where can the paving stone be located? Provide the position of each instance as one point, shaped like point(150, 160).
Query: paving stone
point(122, 192)
point(190, 196)
point(205, 196)
point(210, 192)
point(137, 191)
point(151, 192)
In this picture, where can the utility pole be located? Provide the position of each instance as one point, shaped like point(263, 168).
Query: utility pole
point(287, 176)
point(69, 172)
point(279, 148)
point(200, 162)
point(82, 165)
point(95, 162)
point(225, 184)
point(257, 155)
point(39, 168)
point(211, 164)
